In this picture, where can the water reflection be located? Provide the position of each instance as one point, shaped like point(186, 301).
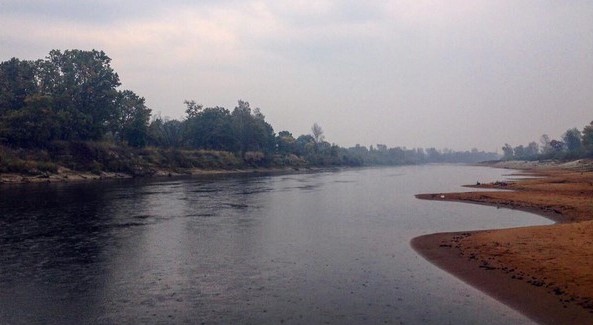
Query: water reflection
point(311, 248)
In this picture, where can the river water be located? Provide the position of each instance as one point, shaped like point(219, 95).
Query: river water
point(320, 248)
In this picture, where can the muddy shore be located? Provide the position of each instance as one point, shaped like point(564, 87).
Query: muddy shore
point(64, 175)
point(545, 272)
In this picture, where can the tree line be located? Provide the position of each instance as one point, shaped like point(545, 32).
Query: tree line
point(75, 96)
point(70, 95)
point(573, 144)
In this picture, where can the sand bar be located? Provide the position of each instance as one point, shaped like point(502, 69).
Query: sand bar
point(545, 272)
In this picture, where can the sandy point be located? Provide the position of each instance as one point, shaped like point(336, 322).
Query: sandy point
point(545, 272)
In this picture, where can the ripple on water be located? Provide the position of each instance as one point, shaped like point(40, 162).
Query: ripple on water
point(300, 249)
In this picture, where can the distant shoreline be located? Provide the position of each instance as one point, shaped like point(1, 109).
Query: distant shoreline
point(545, 272)
point(69, 176)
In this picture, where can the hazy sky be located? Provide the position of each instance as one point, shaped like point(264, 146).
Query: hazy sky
point(455, 74)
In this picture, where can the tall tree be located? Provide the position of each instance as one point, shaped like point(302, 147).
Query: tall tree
point(317, 133)
point(519, 152)
point(193, 108)
point(166, 133)
point(241, 123)
point(572, 139)
point(17, 82)
point(557, 146)
point(33, 125)
point(507, 151)
point(285, 142)
point(208, 128)
point(305, 145)
point(532, 150)
point(251, 130)
point(588, 139)
point(545, 146)
point(264, 133)
point(132, 115)
point(83, 86)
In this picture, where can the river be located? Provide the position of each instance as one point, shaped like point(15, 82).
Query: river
point(321, 248)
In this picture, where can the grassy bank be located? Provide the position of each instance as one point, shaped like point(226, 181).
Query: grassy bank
point(74, 160)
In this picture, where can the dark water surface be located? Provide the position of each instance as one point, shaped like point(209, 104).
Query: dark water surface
point(328, 247)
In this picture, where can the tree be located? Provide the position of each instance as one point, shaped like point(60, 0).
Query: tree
point(263, 132)
point(209, 128)
point(83, 86)
point(251, 131)
point(572, 139)
point(532, 150)
point(433, 155)
point(193, 109)
point(241, 120)
point(165, 133)
point(34, 125)
point(519, 152)
point(132, 115)
point(557, 146)
point(544, 141)
point(304, 144)
point(317, 133)
point(507, 151)
point(588, 139)
point(285, 142)
point(70, 95)
point(17, 82)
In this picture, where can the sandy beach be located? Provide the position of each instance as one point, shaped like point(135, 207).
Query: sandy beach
point(545, 272)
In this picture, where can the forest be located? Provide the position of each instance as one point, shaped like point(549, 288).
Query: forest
point(68, 109)
point(573, 144)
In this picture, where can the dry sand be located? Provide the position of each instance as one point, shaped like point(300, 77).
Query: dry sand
point(546, 272)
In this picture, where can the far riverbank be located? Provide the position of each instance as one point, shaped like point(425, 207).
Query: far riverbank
point(546, 272)
point(86, 161)
point(65, 175)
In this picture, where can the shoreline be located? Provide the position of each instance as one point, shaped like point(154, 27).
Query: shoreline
point(69, 176)
point(532, 301)
point(544, 272)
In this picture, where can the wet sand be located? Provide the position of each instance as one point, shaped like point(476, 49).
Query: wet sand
point(545, 272)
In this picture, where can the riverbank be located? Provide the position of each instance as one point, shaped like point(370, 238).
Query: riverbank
point(83, 161)
point(65, 175)
point(546, 272)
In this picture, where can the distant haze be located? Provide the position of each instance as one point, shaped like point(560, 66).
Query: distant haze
point(454, 74)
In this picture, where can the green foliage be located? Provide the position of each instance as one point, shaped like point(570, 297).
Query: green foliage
point(572, 139)
point(250, 129)
point(285, 142)
point(82, 84)
point(216, 128)
point(588, 139)
point(179, 159)
point(17, 82)
point(317, 133)
point(68, 104)
point(25, 162)
point(69, 95)
point(507, 151)
point(404, 156)
point(574, 145)
point(165, 133)
point(209, 128)
point(33, 125)
point(131, 122)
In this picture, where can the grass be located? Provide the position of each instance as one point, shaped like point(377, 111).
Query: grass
point(98, 157)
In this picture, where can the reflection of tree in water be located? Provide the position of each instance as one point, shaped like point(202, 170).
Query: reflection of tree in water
point(49, 227)
point(52, 241)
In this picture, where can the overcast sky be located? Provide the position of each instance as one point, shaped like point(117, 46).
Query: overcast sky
point(455, 74)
